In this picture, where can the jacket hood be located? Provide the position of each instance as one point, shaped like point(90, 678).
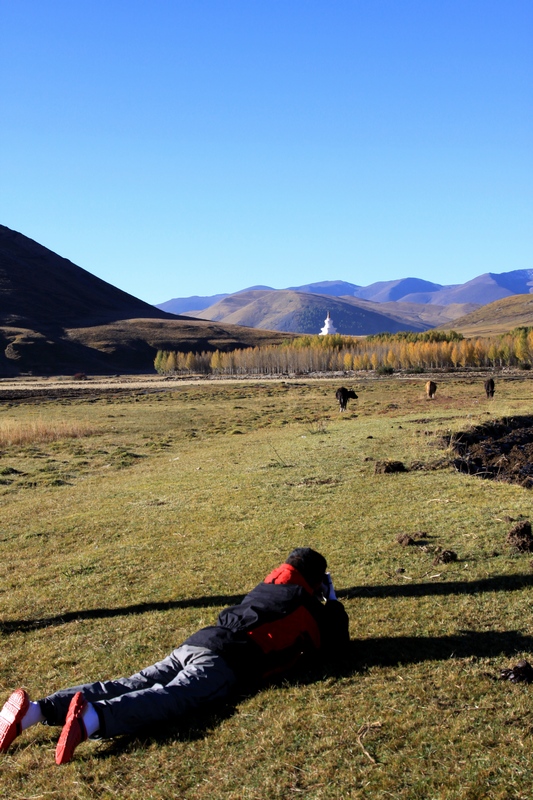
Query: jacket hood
point(286, 573)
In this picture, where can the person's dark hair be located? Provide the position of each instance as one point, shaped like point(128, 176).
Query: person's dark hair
point(309, 563)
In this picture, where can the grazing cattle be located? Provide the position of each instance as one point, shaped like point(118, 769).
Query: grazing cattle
point(343, 395)
point(431, 388)
point(489, 387)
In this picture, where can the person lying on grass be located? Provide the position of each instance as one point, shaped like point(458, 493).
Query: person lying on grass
point(291, 615)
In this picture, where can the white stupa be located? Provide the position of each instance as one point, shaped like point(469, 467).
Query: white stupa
point(328, 327)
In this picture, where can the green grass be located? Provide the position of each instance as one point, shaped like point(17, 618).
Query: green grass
point(118, 544)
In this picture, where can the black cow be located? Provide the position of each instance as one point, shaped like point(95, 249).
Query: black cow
point(343, 395)
point(489, 387)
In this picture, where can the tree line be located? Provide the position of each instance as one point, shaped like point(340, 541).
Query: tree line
point(307, 354)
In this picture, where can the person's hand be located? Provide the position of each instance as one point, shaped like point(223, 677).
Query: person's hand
point(328, 588)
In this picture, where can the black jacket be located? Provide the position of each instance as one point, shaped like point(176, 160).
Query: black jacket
point(275, 625)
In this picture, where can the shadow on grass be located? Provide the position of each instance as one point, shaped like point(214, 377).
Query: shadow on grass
point(401, 650)
point(358, 657)
point(216, 601)
point(188, 729)
point(498, 583)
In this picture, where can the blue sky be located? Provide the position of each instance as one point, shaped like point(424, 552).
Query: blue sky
point(180, 147)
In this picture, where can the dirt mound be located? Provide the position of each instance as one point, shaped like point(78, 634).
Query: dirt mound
point(521, 537)
point(385, 467)
point(406, 539)
point(521, 672)
point(501, 450)
point(445, 556)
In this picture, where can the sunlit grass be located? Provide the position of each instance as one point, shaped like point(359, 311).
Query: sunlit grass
point(13, 433)
point(115, 547)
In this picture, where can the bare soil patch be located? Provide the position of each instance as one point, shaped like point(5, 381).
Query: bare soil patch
point(444, 556)
point(385, 467)
point(521, 537)
point(408, 539)
point(500, 450)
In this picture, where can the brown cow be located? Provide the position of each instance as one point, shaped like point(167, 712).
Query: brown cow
point(431, 388)
point(489, 387)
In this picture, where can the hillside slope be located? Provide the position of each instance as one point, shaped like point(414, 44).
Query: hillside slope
point(429, 315)
point(331, 288)
point(481, 290)
point(484, 289)
point(386, 291)
point(300, 312)
point(56, 317)
point(498, 317)
point(304, 313)
point(39, 287)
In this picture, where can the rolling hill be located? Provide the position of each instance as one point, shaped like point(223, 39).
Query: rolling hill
point(299, 312)
point(498, 317)
point(429, 315)
point(57, 317)
point(484, 289)
point(182, 305)
point(331, 288)
point(39, 287)
point(479, 291)
point(387, 291)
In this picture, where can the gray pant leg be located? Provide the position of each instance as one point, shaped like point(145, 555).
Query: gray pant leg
point(204, 677)
point(188, 678)
point(55, 706)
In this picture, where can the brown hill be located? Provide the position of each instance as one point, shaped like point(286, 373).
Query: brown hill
point(303, 312)
point(498, 317)
point(39, 287)
point(57, 317)
point(426, 315)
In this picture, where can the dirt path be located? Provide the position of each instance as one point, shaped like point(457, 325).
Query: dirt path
point(38, 389)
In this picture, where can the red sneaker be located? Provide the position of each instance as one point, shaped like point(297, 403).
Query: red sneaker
point(11, 716)
point(73, 732)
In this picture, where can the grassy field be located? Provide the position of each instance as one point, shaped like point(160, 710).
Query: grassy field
point(128, 521)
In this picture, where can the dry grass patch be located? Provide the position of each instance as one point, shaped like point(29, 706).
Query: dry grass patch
point(18, 434)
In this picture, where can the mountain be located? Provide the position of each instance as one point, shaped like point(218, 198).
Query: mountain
point(479, 291)
point(286, 310)
point(498, 317)
point(387, 291)
point(38, 287)
point(484, 289)
point(56, 316)
point(180, 305)
point(300, 312)
point(429, 315)
point(332, 288)
point(487, 288)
